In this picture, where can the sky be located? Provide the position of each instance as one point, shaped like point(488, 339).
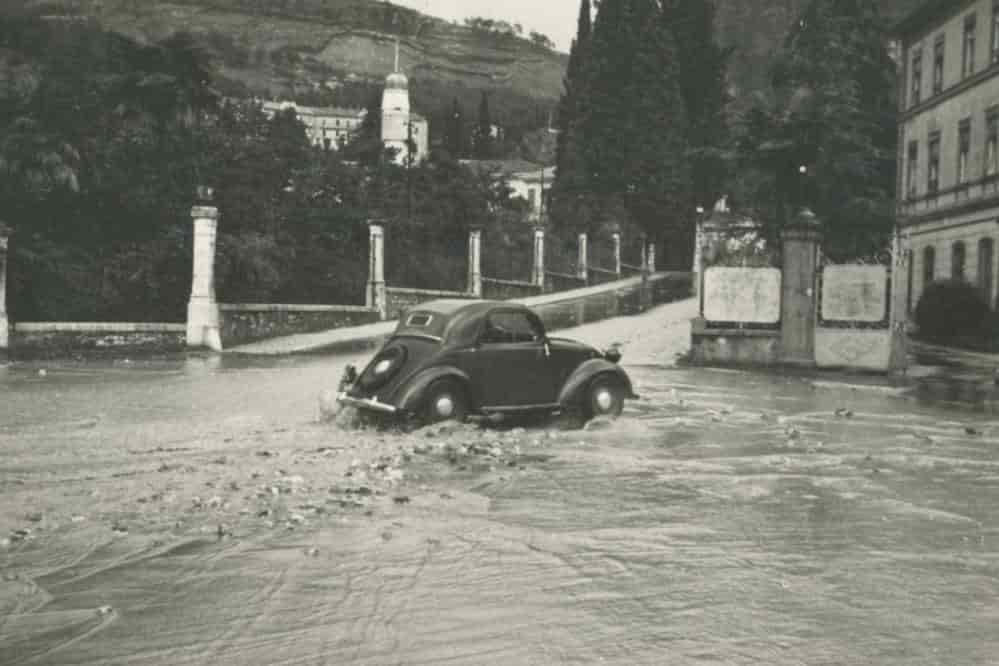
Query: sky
point(555, 18)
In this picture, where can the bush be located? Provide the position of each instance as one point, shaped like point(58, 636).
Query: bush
point(952, 310)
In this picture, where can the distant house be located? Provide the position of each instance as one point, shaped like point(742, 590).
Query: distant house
point(326, 127)
point(527, 180)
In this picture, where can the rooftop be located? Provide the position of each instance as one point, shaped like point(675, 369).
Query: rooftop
point(927, 13)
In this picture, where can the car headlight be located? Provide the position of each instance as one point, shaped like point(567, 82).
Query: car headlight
point(383, 366)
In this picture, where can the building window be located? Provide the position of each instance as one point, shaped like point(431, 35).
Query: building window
point(995, 31)
point(917, 77)
point(963, 149)
point(911, 169)
point(933, 166)
point(938, 65)
point(968, 50)
point(957, 261)
point(985, 259)
point(992, 143)
point(929, 265)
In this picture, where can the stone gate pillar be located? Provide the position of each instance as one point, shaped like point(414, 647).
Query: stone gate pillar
point(583, 259)
point(538, 264)
point(899, 305)
point(475, 263)
point(650, 257)
point(4, 323)
point(616, 238)
point(800, 248)
point(376, 296)
point(202, 308)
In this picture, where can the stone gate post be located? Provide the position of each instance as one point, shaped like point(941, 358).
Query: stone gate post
point(202, 308)
point(582, 259)
point(4, 323)
point(616, 238)
point(376, 296)
point(800, 247)
point(538, 264)
point(474, 285)
point(650, 256)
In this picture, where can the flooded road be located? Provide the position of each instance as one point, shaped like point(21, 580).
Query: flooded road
point(728, 518)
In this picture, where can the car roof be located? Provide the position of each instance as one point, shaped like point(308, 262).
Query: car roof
point(452, 318)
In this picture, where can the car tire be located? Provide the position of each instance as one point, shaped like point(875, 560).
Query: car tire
point(446, 401)
point(604, 398)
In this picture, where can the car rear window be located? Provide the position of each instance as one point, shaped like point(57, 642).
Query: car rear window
point(419, 319)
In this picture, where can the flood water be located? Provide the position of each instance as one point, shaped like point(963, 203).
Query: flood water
point(728, 518)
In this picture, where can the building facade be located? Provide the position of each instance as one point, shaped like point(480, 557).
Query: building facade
point(948, 173)
point(327, 127)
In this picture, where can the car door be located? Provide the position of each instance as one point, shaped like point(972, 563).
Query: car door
point(512, 367)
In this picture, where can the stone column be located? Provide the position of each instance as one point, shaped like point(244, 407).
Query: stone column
point(4, 323)
point(475, 263)
point(203, 309)
point(650, 257)
point(582, 260)
point(899, 306)
point(616, 237)
point(800, 244)
point(376, 296)
point(538, 265)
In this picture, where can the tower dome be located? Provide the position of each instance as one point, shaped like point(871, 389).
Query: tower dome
point(396, 81)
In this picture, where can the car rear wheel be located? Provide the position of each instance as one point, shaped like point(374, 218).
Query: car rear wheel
point(605, 397)
point(446, 401)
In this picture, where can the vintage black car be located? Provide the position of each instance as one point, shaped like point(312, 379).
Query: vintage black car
point(449, 359)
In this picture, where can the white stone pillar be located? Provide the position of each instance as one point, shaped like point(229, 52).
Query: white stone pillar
point(4, 323)
point(376, 296)
point(475, 262)
point(582, 261)
point(203, 309)
point(616, 237)
point(650, 255)
point(538, 265)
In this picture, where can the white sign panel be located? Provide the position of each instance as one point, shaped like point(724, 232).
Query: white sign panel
point(865, 349)
point(746, 295)
point(854, 293)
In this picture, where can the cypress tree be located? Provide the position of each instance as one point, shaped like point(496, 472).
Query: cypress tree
point(634, 123)
point(484, 130)
point(702, 65)
point(569, 192)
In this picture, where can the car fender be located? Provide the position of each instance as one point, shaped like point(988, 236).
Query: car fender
point(412, 392)
point(582, 376)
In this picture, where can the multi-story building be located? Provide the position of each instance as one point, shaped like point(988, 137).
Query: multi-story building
point(948, 154)
point(526, 180)
point(326, 127)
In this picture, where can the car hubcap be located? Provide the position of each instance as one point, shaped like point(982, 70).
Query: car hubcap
point(605, 399)
point(444, 406)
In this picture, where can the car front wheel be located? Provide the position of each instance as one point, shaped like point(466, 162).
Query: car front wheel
point(446, 401)
point(605, 398)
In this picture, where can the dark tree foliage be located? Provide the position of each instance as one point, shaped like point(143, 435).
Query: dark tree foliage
point(832, 111)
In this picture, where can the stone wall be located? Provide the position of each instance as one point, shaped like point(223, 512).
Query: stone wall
point(47, 340)
point(401, 299)
point(249, 322)
point(501, 290)
point(562, 282)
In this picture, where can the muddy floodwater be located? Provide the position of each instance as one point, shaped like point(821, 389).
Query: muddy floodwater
point(195, 512)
